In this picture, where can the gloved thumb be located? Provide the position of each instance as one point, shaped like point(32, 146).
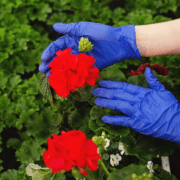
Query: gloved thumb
point(152, 80)
point(65, 28)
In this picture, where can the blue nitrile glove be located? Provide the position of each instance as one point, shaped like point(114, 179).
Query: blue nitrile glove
point(151, 111)
point(111, 44)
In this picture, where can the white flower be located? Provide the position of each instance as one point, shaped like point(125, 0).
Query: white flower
point(81, 179)
point(114, 159)
point(122, 148)
point(107, 142)
point(150, 166)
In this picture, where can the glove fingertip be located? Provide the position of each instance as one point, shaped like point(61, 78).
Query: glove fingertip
point(42, 69)
point(106, 119)
point(148, 71)
point(60, 28)
point(103, 83)
point(48, 74)
point(56, 25)
point(44, 57)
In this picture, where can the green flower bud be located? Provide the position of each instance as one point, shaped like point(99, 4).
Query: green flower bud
point(99, 141)
point(144, 176)
point(134, 176)
point(104, 134)
point(85, 45)
point(157, 156)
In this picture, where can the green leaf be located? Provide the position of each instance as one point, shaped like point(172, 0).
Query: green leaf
point(139, 80)
point(164, 147)
point(167, 176)
point(58, 176)
point(32, 168)
point(118, 14)
point(111, 74)
point(55, 104)
point(76, 174)
point(38, 176)
point(142, 147)
point(92, 125)
point(45, 88)
point(15, 80)
point(3, 80)
point(4, 102)
point(29, 151)
point(3, 56)
point(163, 79)
point(126, 172)
point(57, 17)
point(74, 119)
point(96, 112)
point(129, 141)
point(43, 11)
point(105, 156)
point(117, 130)
point(97, 175)
point(13, 142)
point(2, 33)
point(9, 175)
point(84, 128)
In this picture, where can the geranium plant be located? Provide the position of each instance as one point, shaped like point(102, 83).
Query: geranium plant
point(116, 152)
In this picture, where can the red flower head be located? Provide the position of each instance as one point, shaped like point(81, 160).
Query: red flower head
point(70, 72)
point(161, 70)
point(71, 149)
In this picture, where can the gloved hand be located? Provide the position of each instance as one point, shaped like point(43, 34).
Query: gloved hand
point(111, 44)
point(151, 111)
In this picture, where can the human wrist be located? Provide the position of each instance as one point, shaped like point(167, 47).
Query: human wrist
point(158, 39)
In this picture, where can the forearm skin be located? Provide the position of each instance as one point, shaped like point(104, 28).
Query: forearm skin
point(158, 39)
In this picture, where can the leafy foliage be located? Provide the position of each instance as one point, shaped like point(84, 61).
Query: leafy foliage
point(25, 31)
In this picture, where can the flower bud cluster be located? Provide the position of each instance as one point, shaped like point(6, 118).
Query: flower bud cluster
point(144, 176)
point(85, 45)
point(99, 141)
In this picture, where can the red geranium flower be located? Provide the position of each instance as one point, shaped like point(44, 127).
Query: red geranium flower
point(161, 70)
point(71, 149)
point(70, 72)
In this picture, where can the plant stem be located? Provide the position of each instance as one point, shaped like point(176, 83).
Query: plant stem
point(52, 177)
point(46, 173)
point(44, 168)
point(102, 163)
point(104, 167)
point(84, 96)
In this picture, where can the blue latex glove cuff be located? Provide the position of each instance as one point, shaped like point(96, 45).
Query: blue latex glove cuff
point(111, 44)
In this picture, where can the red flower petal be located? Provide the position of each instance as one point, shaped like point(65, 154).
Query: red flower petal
point(70, 72)
point(71, 149)
point(83, 172)
point(57, 81)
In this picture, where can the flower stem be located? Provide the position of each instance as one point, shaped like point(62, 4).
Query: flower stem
point(84, 96)
point(52, 177)
point(102, 163)
point(104, 167)
point(46, 173)
point(44, 168)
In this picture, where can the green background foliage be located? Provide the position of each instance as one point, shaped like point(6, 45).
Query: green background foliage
point(25, 31)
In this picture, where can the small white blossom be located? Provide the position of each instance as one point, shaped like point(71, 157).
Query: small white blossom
point(114, 159)
point(122, 148)
point(107, 142)
point(80, 179)
point(150, 166)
